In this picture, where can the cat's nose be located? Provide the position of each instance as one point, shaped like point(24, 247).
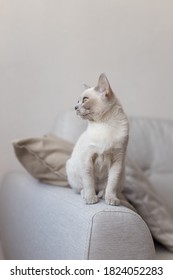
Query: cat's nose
point(76, 107)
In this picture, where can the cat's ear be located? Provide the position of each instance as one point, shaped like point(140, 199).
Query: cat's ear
point(104, 86)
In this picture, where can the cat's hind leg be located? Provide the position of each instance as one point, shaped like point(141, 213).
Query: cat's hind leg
point(83, 184)
point(73, 177)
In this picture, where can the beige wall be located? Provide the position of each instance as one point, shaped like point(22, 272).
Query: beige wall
point(48, 48)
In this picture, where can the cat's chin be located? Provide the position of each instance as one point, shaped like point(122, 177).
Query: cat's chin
point(83, 116)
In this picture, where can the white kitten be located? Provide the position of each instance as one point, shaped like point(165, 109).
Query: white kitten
point(97, 164)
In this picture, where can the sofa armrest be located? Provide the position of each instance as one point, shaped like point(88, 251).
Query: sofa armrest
point(47, 222)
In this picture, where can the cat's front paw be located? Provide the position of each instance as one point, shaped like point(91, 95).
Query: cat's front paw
point(112, 200)
point(91, 199)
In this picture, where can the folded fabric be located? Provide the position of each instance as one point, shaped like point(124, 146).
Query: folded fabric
point(141, 194)
point(45, 159)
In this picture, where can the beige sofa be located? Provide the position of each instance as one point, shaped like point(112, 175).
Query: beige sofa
point(40, 221)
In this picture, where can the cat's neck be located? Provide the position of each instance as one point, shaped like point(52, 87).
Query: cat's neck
point(113, 118)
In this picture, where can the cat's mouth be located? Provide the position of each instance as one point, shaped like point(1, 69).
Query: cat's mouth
point(82, 112)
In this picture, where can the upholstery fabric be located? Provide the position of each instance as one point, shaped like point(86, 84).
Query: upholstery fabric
point(151, 144)
point(132, 233)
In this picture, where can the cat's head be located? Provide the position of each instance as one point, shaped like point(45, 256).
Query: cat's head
point(95, 102)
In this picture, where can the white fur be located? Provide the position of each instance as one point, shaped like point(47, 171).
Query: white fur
point(96, 166)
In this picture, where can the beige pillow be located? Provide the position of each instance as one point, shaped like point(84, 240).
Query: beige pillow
point(141, 194)
point(44, 158)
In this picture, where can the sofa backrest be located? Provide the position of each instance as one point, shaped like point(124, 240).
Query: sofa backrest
point(150, 141)
point(151, 144)
point(69, 126)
